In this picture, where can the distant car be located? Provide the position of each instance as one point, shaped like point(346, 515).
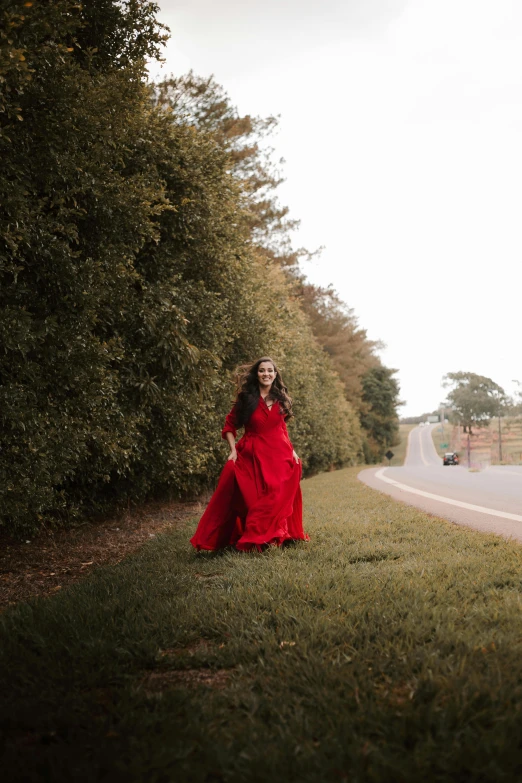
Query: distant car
point(451, 458)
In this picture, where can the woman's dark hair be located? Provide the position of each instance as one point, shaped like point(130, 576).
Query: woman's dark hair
point(248, 392)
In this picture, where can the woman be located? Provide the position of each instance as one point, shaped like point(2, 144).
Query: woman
point(258, 498)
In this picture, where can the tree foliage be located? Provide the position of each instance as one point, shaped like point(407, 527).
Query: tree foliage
point(368, 385)
point(204, 104)
point(379, 419)
point(474, 399)
point(135, 273)
point(337, 330)
point(77, 200)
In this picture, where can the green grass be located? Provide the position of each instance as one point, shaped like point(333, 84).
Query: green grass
point(387, 649)
point(441, 434)
point(399, 451)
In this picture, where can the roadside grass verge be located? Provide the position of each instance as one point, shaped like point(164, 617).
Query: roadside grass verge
point(387, 649)
point(399, 451)
point(442, 438)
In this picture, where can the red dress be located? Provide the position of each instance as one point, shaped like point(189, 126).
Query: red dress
point(258, 497)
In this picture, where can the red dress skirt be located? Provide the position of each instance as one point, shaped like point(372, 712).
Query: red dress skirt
point(258, 498)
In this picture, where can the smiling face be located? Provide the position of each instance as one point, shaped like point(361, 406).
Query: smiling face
point(266, 375)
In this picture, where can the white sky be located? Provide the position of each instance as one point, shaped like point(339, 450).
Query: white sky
point(401, 127)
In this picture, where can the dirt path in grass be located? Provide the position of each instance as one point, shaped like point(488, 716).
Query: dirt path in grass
point(52, 560)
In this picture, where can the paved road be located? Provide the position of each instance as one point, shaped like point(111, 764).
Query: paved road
point(489, 500)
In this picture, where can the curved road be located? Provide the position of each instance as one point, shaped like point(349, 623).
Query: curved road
point(489, 500)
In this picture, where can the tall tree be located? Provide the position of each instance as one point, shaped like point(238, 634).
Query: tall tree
point(338, 332)
point(380, 419)
point(202, 102)
point(474, 399)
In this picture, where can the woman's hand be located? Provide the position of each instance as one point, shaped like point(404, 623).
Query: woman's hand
point(294, 455)
point(232, 443)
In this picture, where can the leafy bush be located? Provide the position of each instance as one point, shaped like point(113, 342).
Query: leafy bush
point(130, 286)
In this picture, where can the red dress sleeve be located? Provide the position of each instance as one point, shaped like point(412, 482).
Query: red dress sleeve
point(230, 424)
point(287, 435)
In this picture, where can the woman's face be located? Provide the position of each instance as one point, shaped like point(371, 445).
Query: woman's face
point(266, 374)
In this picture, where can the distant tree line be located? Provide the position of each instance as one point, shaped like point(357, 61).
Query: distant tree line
point(143, 256)
point(418, 419)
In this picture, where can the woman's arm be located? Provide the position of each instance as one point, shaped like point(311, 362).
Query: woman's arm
point(232, 443)
point(229, 433)
point(294, 455)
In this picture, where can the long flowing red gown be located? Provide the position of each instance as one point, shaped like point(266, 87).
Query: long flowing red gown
point(258, 498)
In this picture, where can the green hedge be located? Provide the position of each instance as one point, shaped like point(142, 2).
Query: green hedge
point(129, 287)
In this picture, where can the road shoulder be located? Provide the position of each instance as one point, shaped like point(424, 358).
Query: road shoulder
point(481, 521)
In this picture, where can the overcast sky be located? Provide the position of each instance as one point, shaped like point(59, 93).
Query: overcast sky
point(401, 127)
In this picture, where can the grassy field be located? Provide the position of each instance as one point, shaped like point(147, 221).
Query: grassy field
point(389, 648)
point(511, 440)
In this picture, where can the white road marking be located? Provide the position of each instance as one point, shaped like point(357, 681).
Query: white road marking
point(418, 433)
point(423, 458)
point(450, 501)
